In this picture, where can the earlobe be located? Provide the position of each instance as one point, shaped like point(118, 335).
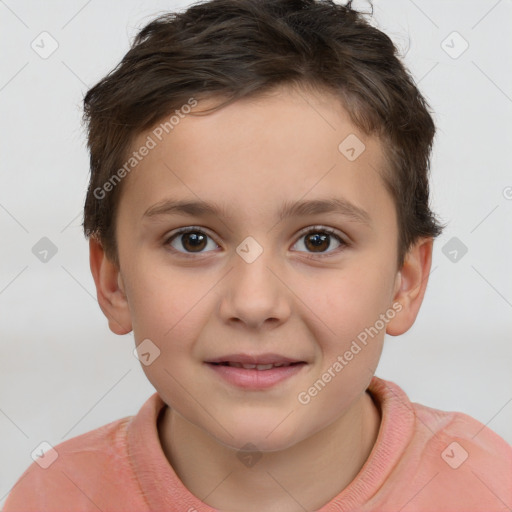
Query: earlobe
point(110, 289)
point(410, 286)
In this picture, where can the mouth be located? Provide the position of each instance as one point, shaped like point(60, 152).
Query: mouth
point(255, 372)
point(268, 366)
point(255, 361)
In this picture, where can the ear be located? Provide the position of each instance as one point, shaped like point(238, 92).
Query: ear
point(410, 285)
point(109, 289)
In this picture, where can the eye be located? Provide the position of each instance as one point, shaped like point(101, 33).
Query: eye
point(319, 238)
point(193, 239)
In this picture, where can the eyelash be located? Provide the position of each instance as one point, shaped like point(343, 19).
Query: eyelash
point(302, 233)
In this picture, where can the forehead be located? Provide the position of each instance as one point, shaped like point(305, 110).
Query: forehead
point(259, 153)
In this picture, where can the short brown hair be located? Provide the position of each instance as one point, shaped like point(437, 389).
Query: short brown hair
point(241, 48)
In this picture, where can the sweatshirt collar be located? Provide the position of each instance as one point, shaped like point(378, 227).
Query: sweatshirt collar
point(163, 490)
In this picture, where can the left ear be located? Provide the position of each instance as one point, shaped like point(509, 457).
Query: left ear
point(410, 285)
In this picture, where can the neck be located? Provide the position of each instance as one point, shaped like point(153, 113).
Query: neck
point(304, 476)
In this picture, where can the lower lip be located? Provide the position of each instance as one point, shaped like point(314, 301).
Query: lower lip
point(256, 379)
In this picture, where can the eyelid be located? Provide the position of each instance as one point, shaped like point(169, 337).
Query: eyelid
point(344, 243)
point(187, 229)
point(308, 229)
point(321, 227)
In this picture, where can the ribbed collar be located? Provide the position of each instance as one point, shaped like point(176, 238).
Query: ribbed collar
point(163, 489)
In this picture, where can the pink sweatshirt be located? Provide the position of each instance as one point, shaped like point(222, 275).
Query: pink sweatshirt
point(424, 460)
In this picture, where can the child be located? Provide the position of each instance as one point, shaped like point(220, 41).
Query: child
point(258, 215)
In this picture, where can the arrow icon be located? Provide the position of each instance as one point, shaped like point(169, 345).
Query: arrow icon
point(146, 352)
point(249, 455)
point(44, 44)
point(454, 45)
point(44, 455)
point(454, 249)
point(247, 252)
point(454, 455)
point(351, 147)
point(44, 250)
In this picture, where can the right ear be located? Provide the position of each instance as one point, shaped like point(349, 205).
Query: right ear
point(109, 289)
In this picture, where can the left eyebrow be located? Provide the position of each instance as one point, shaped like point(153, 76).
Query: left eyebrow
point(289, 209)
point(329, 205)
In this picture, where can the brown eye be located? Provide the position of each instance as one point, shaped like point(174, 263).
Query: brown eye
point(319, 240)
point(193, 241)
point(190, 241)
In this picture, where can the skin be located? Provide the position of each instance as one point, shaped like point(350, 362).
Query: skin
point(252, 156)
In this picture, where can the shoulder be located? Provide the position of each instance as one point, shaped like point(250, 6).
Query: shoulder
point(470, 464)
point(77, 471)
point(464, 463)
point(429, 426)
point(463, 433)
point(445, 461)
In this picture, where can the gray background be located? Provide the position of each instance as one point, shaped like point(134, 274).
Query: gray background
point(63, 373)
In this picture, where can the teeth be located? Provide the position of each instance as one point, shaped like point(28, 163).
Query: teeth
point(257, 366)
point(264, 366)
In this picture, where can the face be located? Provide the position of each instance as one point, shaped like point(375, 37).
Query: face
point(247, 284)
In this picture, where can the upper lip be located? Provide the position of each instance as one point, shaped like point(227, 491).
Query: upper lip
point(254, 359)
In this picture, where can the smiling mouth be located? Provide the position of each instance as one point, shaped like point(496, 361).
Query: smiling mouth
point(257, 366)
point(255, 372)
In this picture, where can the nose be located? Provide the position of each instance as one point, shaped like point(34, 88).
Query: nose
point(254, 294)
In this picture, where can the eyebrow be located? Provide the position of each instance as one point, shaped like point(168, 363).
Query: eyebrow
point(289, 209)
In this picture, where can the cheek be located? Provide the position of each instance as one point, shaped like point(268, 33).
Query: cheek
point(342, 304)
point(164, 303)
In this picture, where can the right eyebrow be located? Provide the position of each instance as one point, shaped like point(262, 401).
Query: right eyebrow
point(192, 208)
